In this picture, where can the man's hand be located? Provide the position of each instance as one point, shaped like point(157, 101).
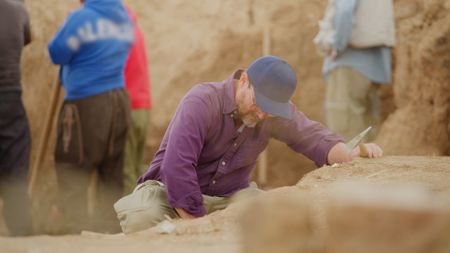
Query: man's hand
point(339, 153)
point(369, 150)
point(184, 215)
point(332, 55)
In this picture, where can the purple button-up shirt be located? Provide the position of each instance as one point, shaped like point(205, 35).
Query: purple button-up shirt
point(204, 153)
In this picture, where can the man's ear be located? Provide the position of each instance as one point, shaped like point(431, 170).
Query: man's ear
point(243, 79)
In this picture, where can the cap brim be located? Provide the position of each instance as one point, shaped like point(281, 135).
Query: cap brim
point(274, 108)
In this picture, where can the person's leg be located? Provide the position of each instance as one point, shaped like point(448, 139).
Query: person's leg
point(129, 180)
point(73, 169)
point(144, 122)
point(16, 208)
point(372, 117)
point(144, 208)
point(362, 94)
point(336, 110)
point(84, 144)
point(346, 101)
point(111, 169)
point(134, 148)
point(148, 205)
point(213, 203)
point(73, 182)
point(15, 145)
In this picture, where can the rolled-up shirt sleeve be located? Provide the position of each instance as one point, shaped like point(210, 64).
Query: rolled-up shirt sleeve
point(305, 136)
point(186, 139)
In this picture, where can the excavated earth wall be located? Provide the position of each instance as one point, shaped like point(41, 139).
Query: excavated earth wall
point(195, 41)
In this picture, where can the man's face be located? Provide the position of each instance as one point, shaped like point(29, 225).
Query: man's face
point(248, 111)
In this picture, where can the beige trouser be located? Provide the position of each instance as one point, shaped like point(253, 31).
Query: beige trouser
point(148, 205)
point(351, 103)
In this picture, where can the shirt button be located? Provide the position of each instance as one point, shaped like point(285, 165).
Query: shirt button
point(214, 182)
point(223, 163)
point(235, 144)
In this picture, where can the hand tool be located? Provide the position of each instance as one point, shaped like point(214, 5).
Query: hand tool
point(353, 143)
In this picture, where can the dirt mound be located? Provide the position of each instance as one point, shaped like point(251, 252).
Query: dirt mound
point(220, 232)
point(421, 124)
point(432, 172)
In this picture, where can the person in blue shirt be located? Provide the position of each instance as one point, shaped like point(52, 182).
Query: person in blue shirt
point(92, 47)
point(353, 72)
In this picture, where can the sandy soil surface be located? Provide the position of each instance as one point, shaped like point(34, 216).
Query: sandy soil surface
point(221, 232)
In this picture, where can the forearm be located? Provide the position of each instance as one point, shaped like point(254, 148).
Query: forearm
point(305, 136)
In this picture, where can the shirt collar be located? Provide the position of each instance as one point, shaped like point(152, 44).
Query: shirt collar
point(229, 102)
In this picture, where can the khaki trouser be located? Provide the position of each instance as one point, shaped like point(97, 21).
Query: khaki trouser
point(148, 205)
point(134, 149)
point(351, 103)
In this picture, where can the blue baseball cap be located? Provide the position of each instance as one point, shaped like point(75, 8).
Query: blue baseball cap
point(274, 82)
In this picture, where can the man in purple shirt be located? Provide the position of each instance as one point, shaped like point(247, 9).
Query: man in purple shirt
point(214, 139)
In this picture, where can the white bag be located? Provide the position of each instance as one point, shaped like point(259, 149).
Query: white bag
point(373, 26)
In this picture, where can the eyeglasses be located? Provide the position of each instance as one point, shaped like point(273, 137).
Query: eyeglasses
point(252, 93)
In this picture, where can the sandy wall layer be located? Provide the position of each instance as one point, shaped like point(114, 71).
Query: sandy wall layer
point(421, 124)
